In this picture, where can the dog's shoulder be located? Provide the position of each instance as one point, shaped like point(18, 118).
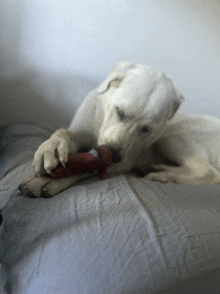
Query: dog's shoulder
point(184, 123)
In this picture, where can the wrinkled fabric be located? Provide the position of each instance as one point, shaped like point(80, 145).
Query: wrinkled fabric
point(18, 145)
point(122, 235)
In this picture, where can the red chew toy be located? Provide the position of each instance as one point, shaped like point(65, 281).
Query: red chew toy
point(85, 163)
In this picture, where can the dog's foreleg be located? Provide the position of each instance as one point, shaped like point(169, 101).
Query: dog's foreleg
point(195, 170)
point(47, 187)
point(122, 167)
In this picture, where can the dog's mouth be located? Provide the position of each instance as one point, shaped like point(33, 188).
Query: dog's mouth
point(116, 156)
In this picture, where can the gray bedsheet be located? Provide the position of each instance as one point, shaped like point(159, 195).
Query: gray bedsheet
point(122, 235)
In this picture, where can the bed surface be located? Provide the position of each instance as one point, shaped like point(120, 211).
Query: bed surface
point(122, 235)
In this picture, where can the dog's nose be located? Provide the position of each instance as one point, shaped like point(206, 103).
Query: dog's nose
point(116, 157)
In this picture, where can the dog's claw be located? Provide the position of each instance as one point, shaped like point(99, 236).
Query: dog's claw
point(63, 164)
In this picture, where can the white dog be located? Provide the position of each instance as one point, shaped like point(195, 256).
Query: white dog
point(132, 112)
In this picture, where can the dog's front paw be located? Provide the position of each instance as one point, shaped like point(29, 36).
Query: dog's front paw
point(162, 177)
point(47, 187)
point(36, 187)
point(163, 174)
point(49, 154)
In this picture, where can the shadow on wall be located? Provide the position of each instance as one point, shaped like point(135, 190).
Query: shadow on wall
point(42, 98)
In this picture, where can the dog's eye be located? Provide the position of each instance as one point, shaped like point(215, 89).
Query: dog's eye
point(120, 113)
point(144, 129)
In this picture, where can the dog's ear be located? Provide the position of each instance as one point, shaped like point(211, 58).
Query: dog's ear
point(117, 73)
point(176, 103)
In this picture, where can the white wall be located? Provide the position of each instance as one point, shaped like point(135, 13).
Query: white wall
point(53, 52)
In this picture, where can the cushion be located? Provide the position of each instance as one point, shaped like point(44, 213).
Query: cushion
point(122, 235)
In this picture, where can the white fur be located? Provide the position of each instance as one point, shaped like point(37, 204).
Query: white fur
point(133, 99)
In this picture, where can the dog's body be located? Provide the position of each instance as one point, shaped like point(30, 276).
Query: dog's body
point(134, 113)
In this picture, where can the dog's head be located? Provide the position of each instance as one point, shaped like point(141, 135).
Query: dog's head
point(138, 101)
